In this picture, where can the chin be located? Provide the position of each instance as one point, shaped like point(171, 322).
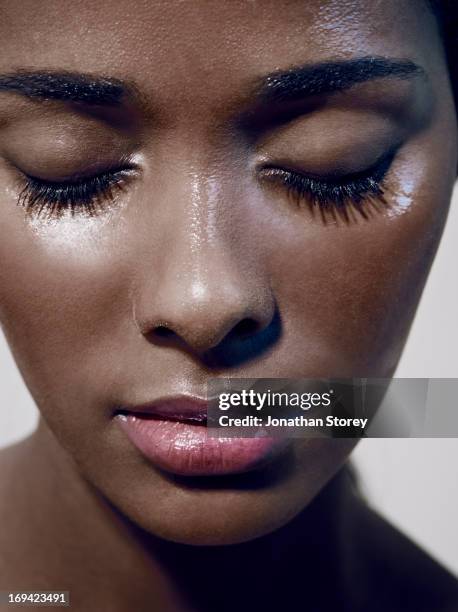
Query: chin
point(216, 511)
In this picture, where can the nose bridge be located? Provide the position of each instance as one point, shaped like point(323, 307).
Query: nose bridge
point(205, 271)
point(200, 238)
point(206, 284)
point(200, 231)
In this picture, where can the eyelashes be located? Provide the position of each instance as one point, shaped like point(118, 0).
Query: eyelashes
point(90, 195)
point(332, 195)
point(85, 195)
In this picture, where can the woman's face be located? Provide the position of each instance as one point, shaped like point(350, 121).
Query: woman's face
point(236, 228)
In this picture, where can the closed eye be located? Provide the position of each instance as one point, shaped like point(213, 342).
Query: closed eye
point(334, 194)
point(82, 195)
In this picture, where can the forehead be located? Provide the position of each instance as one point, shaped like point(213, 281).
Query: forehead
point(209, 45)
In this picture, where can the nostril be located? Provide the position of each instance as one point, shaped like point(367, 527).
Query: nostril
point(163, 332)
point(244, 328)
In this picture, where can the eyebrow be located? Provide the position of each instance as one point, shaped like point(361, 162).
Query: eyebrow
point(289, 85)
point(65, 87)
point(332, 77)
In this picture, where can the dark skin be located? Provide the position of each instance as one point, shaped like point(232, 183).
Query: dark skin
point(203, 265)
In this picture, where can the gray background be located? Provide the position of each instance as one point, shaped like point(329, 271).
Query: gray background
point(413, 483)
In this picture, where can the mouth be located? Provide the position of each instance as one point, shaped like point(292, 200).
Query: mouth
point(184, 409)
point(172, 434)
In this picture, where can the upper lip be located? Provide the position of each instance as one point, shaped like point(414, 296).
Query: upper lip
point(187, 408)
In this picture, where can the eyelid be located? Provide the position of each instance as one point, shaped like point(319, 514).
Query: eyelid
point(332, 178)
point(123, 165)
point(85, 194)
point(79, 179)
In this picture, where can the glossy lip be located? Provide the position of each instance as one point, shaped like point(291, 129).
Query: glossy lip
point(183, 408)
point(171, 432)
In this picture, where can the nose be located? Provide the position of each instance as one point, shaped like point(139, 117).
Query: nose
point(204, 311)
point(217, 310)
point(207, 294)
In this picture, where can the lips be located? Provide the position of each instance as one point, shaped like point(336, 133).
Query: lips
point(185, 409)
point(172, 434)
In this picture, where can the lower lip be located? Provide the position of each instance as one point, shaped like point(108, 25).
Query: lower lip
point(185, 449)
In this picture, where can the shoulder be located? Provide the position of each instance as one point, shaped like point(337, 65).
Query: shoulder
point(396, 573)
point(13, 462)
point(10, 457)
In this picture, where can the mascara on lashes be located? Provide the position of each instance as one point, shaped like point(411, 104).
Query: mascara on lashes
point(88, 195)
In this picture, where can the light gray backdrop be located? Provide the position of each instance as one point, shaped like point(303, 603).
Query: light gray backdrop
point(413, 483)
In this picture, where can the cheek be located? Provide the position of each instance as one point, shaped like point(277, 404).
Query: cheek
point(348, 293)
point(63, 291)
